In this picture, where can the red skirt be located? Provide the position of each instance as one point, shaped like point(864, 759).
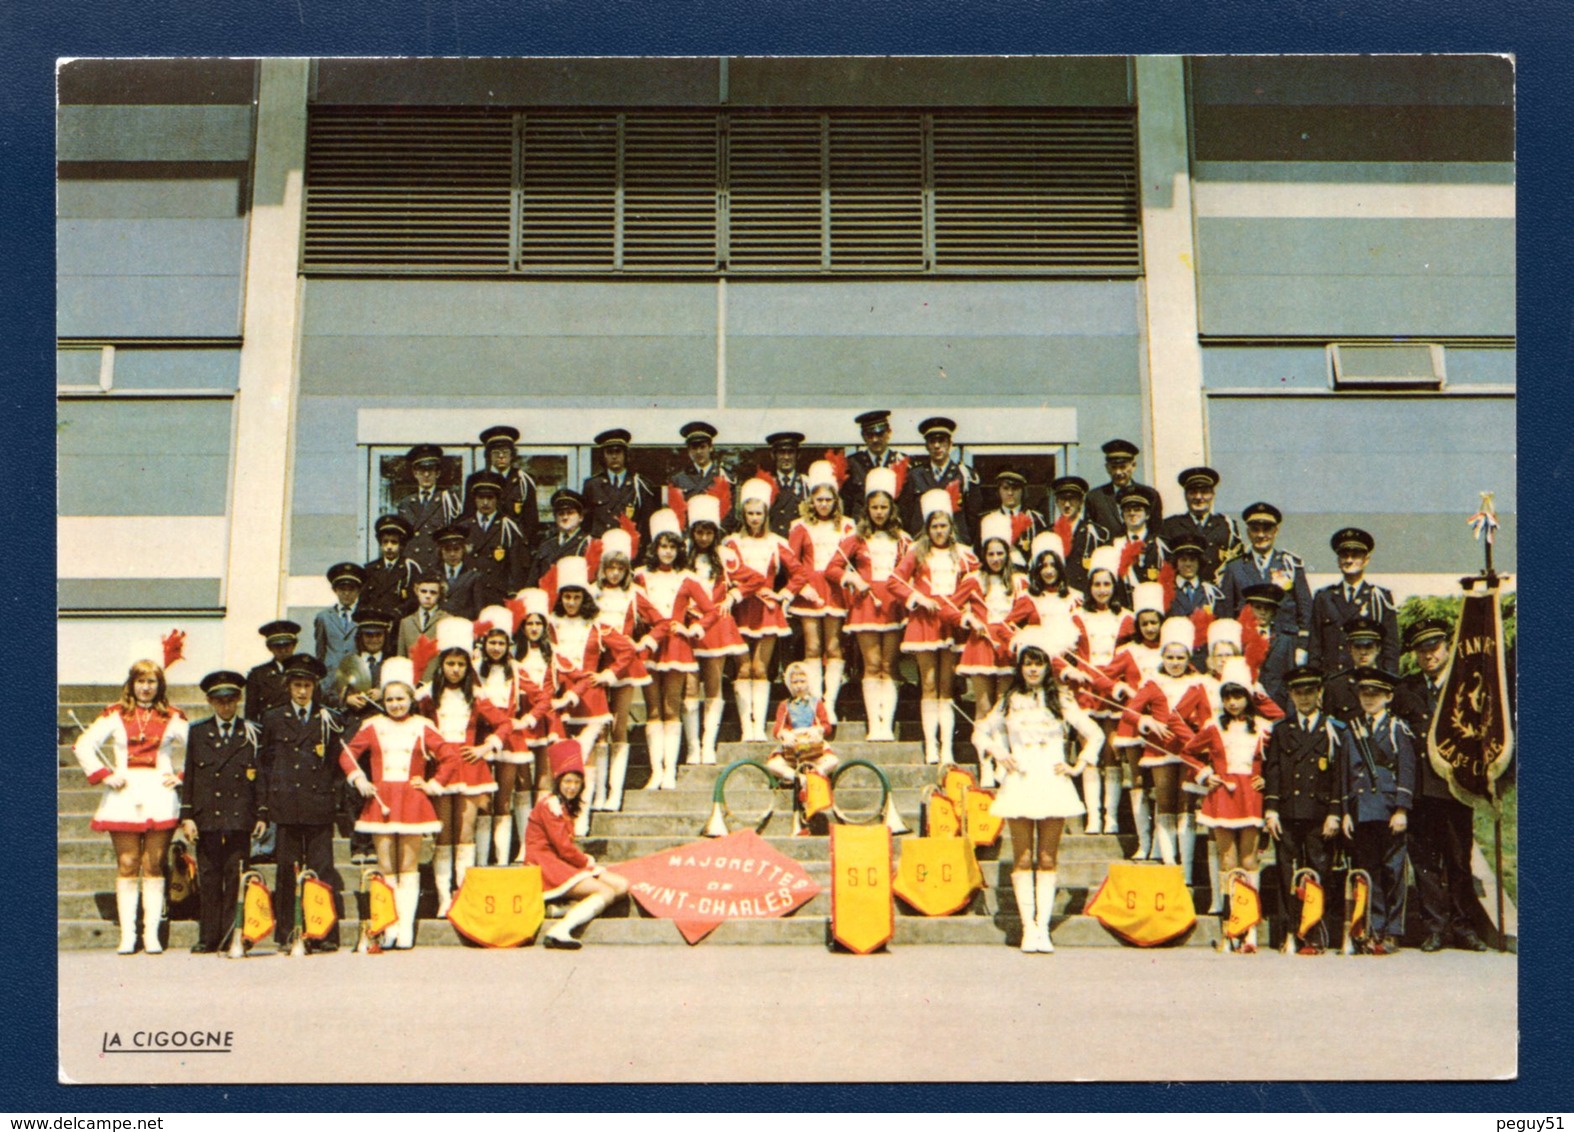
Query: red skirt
point(1238, 810)
point(409, 811)
point(875, 611)
point(756, 620)
point(926, 632)
point(833, 599)
point(721, 639)
point(982, 657)
point(638, 675)
point(676, 654)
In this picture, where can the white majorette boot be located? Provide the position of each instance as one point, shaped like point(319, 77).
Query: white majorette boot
point(1112, 789)
point(1253, 878)
point(816, 672)
point(1140, 815)
point(714, 708)
point(582, 822)
point(1165, 835)
point(464, 861)
point(406, 897)
point(872, 706)
point(443, 877)
point(833, 684)
point(888, 716)
point(669, 779)
point(1022, 887)
point(560, 934)
point(656, 748)
point(743, 693)
point(1044, 903)
point(1216, 905)
point(152, 914)
point(1092, 799)
point(947, 711)
point(691, 730)
point(929, 719)
point(617, 774)
point(502, 836)
point(763, 723)
point(128, 890)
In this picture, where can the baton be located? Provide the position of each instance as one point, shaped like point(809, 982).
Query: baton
point(1193, 763)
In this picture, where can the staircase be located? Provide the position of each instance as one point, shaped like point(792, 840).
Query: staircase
point(649, 822)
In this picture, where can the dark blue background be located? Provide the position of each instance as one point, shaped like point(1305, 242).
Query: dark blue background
point(1539, 34)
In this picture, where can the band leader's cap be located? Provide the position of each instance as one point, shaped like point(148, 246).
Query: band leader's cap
point(1264, 593)
point(1262, 513)
point(223, 683)
point(505, 436)
point(424, 456)
point(1119, 450)
point(1368, 676)
point(451, 533)
point(567, 499)
point(1304, 676)
point(1200, 476)
point(1352, 538)
point(346, 572)
point(698, 430)
point(1362, 629)
point(1426, 630)
point(874, 420)
point(612, 437)
point(1069, 485)
point(305, 666)
point(931, 425)
point(280, 632)
point(375, 619)
point(784, 439)
point(487, 481)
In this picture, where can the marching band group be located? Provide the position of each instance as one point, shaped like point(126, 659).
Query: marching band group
point(1107, 647)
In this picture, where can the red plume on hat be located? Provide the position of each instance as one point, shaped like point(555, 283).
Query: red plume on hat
point(593, 559)
point(174, 643)
point(517, 608)
point(838, 461)
point(1063, 532)
point(1254, 645)
point(1167, 580)
point(422, 653)
point(721, 488)
point(1129, 555)
point(631, 528)
point(769, 477)
point(954, 490)
point(1021, 523)
point(1201, 618)
point(899, 469)
point(678, 505)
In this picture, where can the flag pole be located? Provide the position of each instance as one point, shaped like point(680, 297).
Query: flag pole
point(1497, 844)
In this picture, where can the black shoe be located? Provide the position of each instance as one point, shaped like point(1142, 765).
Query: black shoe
point(321, 948)
point(263, 859)
point(569, 944)
point(202, 949)
point(1470, 941)
point(1433, 942)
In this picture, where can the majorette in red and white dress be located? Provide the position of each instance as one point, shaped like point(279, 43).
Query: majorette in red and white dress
point(874, 559)
point(577, 647)
point(618, 608)
point(538, 687)
point(814, 545)
point(949, 577)
point(144, 747)
point(401, 752)
point(1157, 699)
point(1102, 660)
point(1235, 754)
point(722, 637)
point(988, 653)
point(550, 845)
point(752, 565)
point(676, 601)
point(460, 721)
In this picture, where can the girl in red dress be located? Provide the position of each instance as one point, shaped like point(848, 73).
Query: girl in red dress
point(819, 603)
point(936, 579)
point(565, 868)
point(863, 566)
point(537, 723)
point(497, 682)
point(1151, 728)
point(1107, 676)
point(679, 612)
point(722, 640)
point(618, 609)
point(409, 759)
point(461, 717)
point(754, 556)
point(986, 658)
point(132, 748)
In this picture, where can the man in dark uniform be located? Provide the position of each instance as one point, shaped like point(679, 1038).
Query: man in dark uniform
point(298, 765)
point(569, 540)
point(875, 427)
point(1103, 503)
point(1142, 552)
point(1261, 564)
point(499, 552)
point(942, 472)
point(1303, 799)
point(391, 577)
point(334, 628)
point(265, 683)
point(1379, 789)
point(1364, 637)
point(615, 492)
point(791, 488)
point(1354, 596)
point(1273, 671)
point(1191, 592)
point(429, 508)
point(517, 499)
point(1025, 522)
point(703, 473)
point(458, 578)
point(1215, 533)
point(1440, 832)
point(1071, 521)
point(218, 803)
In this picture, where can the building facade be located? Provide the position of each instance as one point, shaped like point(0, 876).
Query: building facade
point(276, 276)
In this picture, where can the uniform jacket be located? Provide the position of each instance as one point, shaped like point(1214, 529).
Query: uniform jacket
point(299, 766)
point(463, 596)
point(921, 477)
point(691, 482)
point(1145, 564)
point(1339, 696)
point(1282, 569)
point(1393, 752)
point(1101, 507)
point(265, 689)
point(1221, 540)
point(554, 547)
point(1330, 611)
point(426, 519)
point(1086, 537)
point(518, 502)
point(859, 465)
point(219, 789)
point(1304, 770)
point(605, 504)
point(1415, 702)
point(410, 631)
point(390, 586)
point(500, 556)
point(783, 512)
point(1198, 595)
point(335, 638)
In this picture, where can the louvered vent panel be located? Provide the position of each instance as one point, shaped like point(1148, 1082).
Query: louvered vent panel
point(877, 198)
point(393, 191)
point(1050, 191)
point(670, 188)
point(775, 208)
point(568, 198)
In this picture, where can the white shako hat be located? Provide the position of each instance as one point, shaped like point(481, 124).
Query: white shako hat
point(616, 541)
point(572, 573)
point(755, 488)
point(1236, 671)
point(1105, 558)
point(535, 602)
point(880, 479)
point(663, 522)
point(1044, 540)
point(1224, 629)
point(1177, 631)
point(935, 499)
point(1056, 638)
point(454, 633)
point(994, 525)
point(1147, 596)
point(821, 474)
point(400, 669)
point(494, 617)
point(703, 508)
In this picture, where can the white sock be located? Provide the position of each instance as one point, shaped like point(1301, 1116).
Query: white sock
point(872, 705)
point(833, 680)
point(464, 860)
point(929, 717)
point(1022, 886)
point(656, 747)
point(1092, 798)
point(743, 692)
point(1164, 833)
point(502, 837)
point(128, 890)
point(816, 673)
point(1139, 814)
point(406, 896)
point(152, 913)
point(443, 876)
point(947, 711)
point(761, 690)
point(691, 729)
point(582, 913)
point(617, 773)
point(714, 707)
point(1044, 901)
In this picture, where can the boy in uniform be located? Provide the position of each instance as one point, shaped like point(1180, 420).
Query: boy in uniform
point(1192, 592)
point(703, 471)
point(791, 488)
point(1086, 536)
point(391, 577)
point(1353, 596)
point(429, 508)
point(334, 628)
point(615, 492)
point(1363, 637)
point(1215, 533)
point(1379, 789)
point(875, 428)
point(1274, 668)
point(459, 581)
point(517, 497)
point(265, 683)
point(1025, 522)
point(569, 540)
point(218, 803)
point(942, 472)
point(499, 551)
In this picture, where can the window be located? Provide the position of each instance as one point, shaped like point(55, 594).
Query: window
point(807, 191)
point(1385, 366)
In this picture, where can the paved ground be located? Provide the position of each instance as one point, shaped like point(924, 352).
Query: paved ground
point(704, 1014)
